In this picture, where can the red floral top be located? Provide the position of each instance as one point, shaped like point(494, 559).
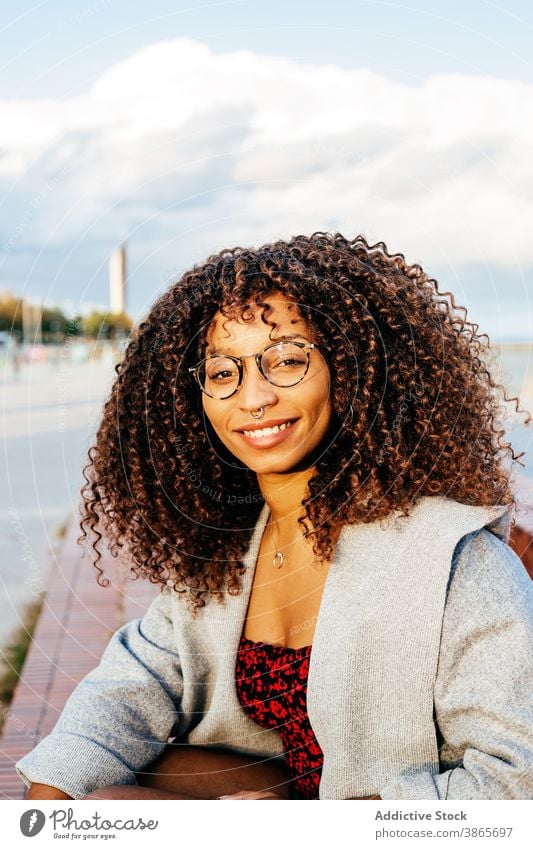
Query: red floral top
point(272, 687)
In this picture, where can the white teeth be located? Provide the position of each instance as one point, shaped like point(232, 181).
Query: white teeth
point(266, 431)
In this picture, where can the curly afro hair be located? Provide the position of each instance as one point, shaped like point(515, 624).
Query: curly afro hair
point(160, 485)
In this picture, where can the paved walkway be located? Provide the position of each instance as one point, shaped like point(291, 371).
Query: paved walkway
point(49, 415)
point(76, 622)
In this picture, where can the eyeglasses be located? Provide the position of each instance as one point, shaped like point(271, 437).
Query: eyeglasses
point(283, 364)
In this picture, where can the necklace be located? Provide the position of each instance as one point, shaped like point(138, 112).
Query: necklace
point(279, 557)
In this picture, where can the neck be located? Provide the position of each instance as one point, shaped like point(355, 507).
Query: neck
point(284, 495)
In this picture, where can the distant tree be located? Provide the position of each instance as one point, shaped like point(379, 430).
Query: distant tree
point(106, 325)
point(74, 326)
point(54, 324)
point(10, 313)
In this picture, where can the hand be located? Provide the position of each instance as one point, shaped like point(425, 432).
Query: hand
point(45, 791)
point(360, 798)
point(253, 794)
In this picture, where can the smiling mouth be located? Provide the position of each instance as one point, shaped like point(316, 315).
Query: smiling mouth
point(259, 433)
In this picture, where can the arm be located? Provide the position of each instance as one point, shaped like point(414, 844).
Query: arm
point(483, 691)
point(120, 715)
point(45, 791)
point(207, 772)
point(192, 772)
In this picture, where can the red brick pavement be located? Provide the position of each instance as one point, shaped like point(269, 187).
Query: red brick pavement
point(76, 622)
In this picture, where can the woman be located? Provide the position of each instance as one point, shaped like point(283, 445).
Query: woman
point(302, 447)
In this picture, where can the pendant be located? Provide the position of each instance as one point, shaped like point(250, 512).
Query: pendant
point(278, 556)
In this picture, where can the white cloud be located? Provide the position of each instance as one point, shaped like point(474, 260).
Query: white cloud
point(244, 147)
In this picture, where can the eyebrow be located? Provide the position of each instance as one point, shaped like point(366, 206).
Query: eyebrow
point(210, 350)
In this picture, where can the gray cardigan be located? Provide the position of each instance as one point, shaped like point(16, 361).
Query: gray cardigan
point(420, 677)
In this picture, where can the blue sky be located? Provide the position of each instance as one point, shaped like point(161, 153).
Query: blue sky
point(185, 127)
point(56, 48)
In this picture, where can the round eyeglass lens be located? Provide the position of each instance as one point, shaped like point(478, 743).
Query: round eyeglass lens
point(219, 376)
point(285, 364)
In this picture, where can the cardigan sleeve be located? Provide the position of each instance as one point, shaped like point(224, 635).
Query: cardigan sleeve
point(120, 716)
point(483, 696)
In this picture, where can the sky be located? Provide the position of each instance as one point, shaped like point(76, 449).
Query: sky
point(185, 127)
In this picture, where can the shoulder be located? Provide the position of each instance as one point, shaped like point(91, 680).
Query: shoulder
point(487, 582)
point(159, 616)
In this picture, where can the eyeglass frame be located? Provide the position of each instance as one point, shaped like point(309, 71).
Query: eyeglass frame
point(305, 346)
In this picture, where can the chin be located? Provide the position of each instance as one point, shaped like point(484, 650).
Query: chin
point(279, 466)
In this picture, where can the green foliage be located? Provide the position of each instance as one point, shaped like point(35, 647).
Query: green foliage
point(105, 325)
point(10, 313)
point(56, 326)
